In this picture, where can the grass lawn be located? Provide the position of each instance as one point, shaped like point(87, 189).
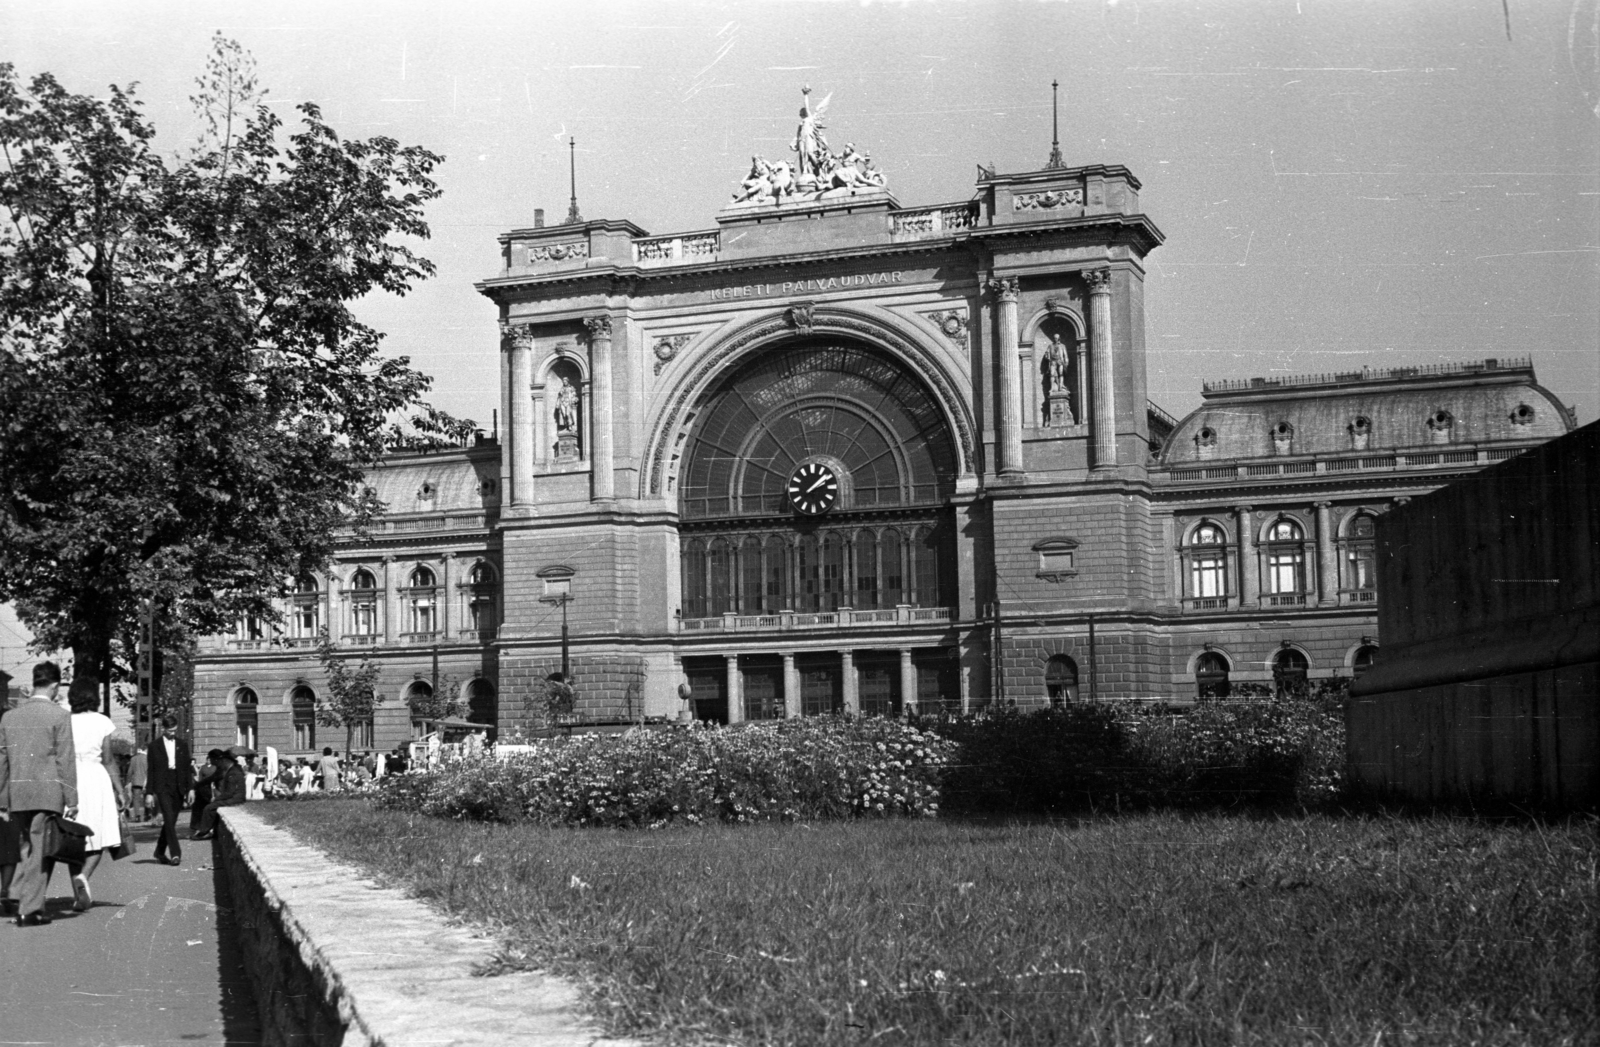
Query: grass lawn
point(1151, 928)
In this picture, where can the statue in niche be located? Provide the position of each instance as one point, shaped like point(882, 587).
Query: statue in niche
point(566, 408)
point(1057, 394)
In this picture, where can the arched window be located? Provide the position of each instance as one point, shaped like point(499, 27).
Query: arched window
point(1286, 559)
point(246, 705)
point(419, 700)
point(694, 579)
point(481, 592)
point(1360, 555)
point(1211, 675)
point(720, 591)
point(1208, 563)
point(750, 579)
point(303, 710)
point(1365, 655)
point(1061, 679)
point(481, 706)
point(894, 571)
point(777, 567)
point(305, 618)
point(363, 603)
point(422, 602)
point(1289, 671)
point(866, 561)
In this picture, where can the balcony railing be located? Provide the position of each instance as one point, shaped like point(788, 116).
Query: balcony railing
point(927, 222)
point(1402, 461)
point(1284, 600)
point(1208, 603)
point(844, 618)
point(689, 249)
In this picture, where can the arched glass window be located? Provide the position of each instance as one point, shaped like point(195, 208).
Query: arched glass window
point(892, 557)
point(422, 602)
point(750, 579)
point(481, 706)
point(866, 561)
point(1286, 559)
point(1289, 671)
point(1211, 675)
point(777, 568)
point(363, 603)
point(246, 707)
point(832, 571)
point(1208, 569)
point(419, 700)
point(1365, 655)
point(720, 593)
point(481, 591)
point(1061, 679)
point(303, 709)
point(694, 579)
point(1361, 555)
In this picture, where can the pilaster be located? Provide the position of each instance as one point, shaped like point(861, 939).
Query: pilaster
point(519, 345)
point(1008, 436)
point(602, 461)
point(1104, 411)
point(1249, 565)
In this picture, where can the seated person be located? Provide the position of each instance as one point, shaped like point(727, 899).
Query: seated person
point(229, 790)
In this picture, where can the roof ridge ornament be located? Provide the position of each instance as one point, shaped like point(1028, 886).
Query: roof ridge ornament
point(817, 172)
point(1055, 160)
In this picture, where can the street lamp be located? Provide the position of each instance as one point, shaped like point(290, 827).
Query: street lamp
point(562, 598)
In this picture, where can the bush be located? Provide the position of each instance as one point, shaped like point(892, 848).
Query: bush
point(1107, 754)
point(817, 767)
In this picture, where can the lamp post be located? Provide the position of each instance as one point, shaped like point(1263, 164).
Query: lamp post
point(562, 599)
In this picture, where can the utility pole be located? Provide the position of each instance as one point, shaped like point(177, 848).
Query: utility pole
point(1055, 129)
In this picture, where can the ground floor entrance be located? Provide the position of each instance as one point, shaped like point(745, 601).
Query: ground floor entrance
point(729, 688)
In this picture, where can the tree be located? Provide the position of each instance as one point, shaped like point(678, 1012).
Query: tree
point(187, 402)
point(352, 696)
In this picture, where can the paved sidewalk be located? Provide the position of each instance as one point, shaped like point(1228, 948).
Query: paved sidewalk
point(153, 963)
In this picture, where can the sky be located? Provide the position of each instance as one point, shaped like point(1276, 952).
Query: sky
point(1340, 183)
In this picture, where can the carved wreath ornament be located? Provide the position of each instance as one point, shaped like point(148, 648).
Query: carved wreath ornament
point(668, 347)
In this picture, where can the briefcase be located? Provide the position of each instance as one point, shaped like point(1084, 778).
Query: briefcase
point(66, 840)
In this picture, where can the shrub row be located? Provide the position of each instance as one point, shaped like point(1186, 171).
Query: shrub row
point(813, 768)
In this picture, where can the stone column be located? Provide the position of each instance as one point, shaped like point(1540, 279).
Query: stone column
point(447, 593)
point(391, 602)
point(852, 686)
point(1082, 353)
point(519, 339)
point(908, 681)
point(1008, 422)
point(735, 691)
point(1249, 566)
point(791, 688)
point(1104, 412)
point(1327, 565)
point(602, 464)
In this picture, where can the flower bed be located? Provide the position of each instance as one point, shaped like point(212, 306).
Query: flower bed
point(818, 767)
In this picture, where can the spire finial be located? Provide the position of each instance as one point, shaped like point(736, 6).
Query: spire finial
point(573, 217)
point(1055, 129)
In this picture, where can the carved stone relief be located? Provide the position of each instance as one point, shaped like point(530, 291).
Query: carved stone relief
point(953, 322)
point(557, 252)
point(668, 347)
point(1049, 200)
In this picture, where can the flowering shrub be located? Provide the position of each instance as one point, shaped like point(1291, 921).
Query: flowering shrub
point(818, 767)
point(1099, 754)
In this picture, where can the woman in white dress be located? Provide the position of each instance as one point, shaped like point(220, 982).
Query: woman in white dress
point(100, 792)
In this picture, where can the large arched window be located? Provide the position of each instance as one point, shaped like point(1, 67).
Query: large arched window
point(303, 712)
point(481, 706)
point(1211, 675)
point(1286, 559)
point(481, 592)
point(1061, 679)
point(363, 593)
point(419, 700)
point(1363, 659)
point(1360, 574)
point(1208, 564)
point(876, 428)
point(305, 619)
point(246, 706)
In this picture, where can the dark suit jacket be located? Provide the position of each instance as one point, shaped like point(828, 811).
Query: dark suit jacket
point(168, 780)
point(38, 763)
point(229, 789)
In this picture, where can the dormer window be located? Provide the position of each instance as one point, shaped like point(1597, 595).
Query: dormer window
point(1440, 424)
point(1283, 438)
point(1205, 442)
point(1360, 430)
point(1522, 415)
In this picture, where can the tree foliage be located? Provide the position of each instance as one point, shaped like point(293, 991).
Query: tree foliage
point(187, 402)
point(352, 696)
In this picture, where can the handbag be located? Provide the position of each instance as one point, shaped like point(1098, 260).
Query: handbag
point(127, 848)
point(66, 840)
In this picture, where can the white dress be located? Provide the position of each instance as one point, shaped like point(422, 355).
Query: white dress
point(97, 801)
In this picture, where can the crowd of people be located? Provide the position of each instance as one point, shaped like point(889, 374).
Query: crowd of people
point(60, 777)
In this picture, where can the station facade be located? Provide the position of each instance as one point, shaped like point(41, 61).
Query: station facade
point(838, 454)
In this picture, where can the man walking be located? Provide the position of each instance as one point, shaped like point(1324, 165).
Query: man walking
point(170, 783)
point(38, 781)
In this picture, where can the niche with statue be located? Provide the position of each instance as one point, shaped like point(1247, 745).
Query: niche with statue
point(564, 394)
point(1055, 346)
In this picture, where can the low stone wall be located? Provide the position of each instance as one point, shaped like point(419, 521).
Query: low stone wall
point(342, 961)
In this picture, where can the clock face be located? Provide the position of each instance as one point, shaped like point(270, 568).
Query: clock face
point(813, 488)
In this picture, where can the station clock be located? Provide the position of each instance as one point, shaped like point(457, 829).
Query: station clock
point(813, 488)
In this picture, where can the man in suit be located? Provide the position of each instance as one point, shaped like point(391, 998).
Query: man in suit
point(38, 781)
point(229, 790)
point(170, 782)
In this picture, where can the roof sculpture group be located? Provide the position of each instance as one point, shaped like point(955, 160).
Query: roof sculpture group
point(816, 170)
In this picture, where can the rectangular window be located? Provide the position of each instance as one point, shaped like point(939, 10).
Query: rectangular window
point(305, 736)
point(364, 617)
point(1056, 561)
point(307, 622)
point(245, 734)
point(422, 614)
point(1362, 575)
point(1209, 578)
point(361, 735)
point(1284, 571)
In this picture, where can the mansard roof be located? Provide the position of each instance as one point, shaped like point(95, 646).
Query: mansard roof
point(465, 480)
point(1399, 407)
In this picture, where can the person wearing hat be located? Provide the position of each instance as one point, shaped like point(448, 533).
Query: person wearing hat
point(228, 790)
point(38, 782)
